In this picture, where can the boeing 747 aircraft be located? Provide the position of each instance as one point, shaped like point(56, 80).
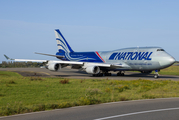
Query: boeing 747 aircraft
point(143, 59)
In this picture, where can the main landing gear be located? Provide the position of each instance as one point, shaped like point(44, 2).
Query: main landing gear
point(156, 75)
point(120, 73)
point(105, 73)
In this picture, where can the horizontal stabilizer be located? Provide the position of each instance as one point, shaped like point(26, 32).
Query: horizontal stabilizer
point(50, 55)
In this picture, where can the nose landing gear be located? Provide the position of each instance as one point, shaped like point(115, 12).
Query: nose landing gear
point(156, 75)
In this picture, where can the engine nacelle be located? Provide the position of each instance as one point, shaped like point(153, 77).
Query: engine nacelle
point(93, 69)
point(54, 66)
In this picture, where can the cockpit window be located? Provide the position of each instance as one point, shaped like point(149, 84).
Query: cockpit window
point(160, 50)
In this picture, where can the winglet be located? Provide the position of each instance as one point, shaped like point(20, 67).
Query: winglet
point(7, 57)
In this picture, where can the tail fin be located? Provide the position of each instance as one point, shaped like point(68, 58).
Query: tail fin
point(62, 43)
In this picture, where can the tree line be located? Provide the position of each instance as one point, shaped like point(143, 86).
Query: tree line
point(13, 64)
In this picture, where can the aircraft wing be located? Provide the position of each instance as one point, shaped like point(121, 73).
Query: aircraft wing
point(83, 64)
point(30, 60)
point(25, 60)
point(51, 61)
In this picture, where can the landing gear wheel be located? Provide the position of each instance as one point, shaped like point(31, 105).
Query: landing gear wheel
point(94, 75)
point(120, 73)
point(107, 74)
point(156, 76)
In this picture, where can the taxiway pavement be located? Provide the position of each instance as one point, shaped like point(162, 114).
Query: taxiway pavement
point(155, 109)
point(73, 73)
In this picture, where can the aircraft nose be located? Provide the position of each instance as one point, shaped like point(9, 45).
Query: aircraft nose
point(167, 61)
point(172, 60)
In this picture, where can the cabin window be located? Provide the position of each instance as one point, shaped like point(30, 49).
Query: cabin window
point(160, 50)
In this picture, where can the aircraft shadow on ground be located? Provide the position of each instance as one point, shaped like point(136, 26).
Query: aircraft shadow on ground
point(133, 75)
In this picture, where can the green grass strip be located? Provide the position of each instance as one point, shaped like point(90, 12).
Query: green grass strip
point(20, 94)
point(172, 70)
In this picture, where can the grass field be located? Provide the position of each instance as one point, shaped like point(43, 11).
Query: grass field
point(172, 70)
point(20, 94)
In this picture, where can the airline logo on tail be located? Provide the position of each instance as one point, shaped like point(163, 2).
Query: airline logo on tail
point(65, 49)
point(62, 43)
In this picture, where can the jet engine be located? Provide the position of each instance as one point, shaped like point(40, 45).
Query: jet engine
point(54, 66)
point(93, 69)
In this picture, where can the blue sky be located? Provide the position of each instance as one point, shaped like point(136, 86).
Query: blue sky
point(27, 26)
